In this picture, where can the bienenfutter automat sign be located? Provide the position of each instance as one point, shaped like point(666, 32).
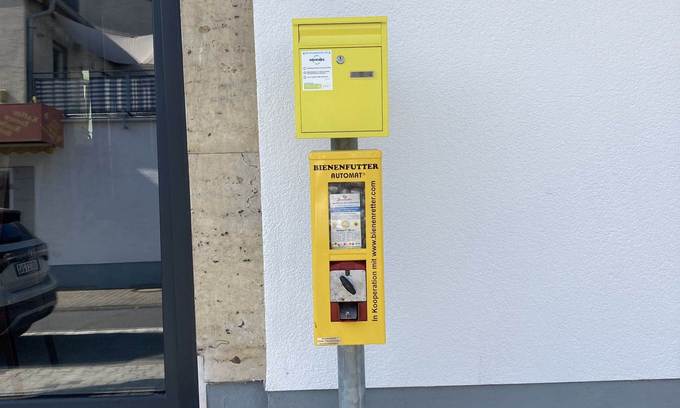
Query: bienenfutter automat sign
point(347, 247)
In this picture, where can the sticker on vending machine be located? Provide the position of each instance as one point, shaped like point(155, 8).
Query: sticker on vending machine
point(345, 220)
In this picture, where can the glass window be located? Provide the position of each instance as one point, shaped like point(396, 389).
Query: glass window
point(347, 215)
point(80, 255)
point(73, 4)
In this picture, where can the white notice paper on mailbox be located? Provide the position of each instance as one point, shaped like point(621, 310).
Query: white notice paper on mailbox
point(317, 70)
point(345, 220)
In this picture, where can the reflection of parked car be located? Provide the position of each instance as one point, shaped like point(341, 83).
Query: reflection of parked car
point(27, 290)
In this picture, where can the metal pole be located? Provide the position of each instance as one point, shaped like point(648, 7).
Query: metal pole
point(351, 377)
point(349, 143)
point(351, 374)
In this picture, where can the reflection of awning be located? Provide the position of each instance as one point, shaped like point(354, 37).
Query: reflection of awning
point(116, 48)
point(140, 48)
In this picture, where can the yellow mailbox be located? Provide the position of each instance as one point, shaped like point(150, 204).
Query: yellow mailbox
point(347, 247)
point(340, 69)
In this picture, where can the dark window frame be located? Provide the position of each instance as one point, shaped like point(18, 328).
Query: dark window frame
point(179, 328)
point(59, 50)
point(6, 187)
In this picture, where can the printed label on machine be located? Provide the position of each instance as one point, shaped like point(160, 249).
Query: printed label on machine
point(317, 70)
point(345, 214)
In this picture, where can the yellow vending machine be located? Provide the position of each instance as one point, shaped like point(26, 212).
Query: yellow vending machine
point(347, 247)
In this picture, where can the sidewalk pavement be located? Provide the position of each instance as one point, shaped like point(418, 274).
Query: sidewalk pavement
point(103, 311)
point(104, 341)
point(110, 298)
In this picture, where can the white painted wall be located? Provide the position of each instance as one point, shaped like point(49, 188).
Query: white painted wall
point(97, 199)
point(532, 193)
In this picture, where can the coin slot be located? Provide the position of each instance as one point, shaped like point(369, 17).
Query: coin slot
point(348, 289)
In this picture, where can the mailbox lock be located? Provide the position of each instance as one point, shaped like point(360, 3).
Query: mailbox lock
point(340, 59)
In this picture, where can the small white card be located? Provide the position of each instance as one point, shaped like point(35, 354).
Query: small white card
point(317, 70)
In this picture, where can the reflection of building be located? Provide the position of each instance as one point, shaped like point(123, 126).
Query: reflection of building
point(94, 199)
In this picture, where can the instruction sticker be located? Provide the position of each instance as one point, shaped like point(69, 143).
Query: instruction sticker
point(317, 70)
point(328, 341)
point(345, 220)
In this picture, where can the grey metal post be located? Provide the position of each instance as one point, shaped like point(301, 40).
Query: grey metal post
point(348, 143)
point(351, 377)
point(351, 373)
